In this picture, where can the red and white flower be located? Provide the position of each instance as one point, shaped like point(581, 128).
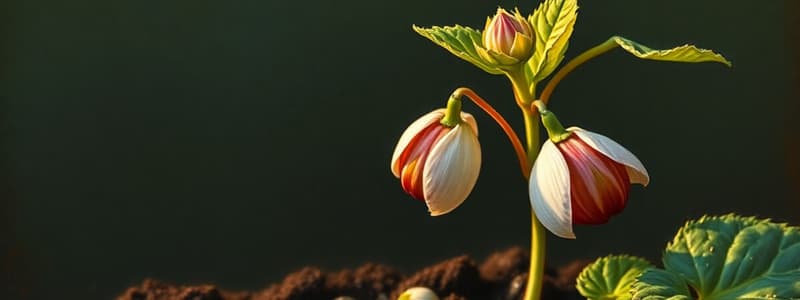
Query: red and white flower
point(436, 163)
point(583, 179)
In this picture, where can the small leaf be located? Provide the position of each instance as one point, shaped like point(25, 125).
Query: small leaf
point(685, 53)
point(731, 257)
point(657, 284)
point(459, 40)
point(611, 277)
point(552, 24)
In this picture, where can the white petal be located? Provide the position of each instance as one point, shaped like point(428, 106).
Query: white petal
point(550, 191)
point(451, 170)
point(410, 133)
point(636, 171)
point(471, 121)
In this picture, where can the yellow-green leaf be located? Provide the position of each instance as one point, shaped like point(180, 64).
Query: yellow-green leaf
point(685, 53)
point(459, 40)
point(611, 277)
point(552, 24)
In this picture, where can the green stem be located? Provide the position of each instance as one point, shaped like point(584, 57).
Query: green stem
point(452, 115)
point(555, 131)
point(574, 63)
point(531, 135)
point(523, 91)
point(533, 291)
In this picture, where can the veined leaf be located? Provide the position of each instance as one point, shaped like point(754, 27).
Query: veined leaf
point(611, 277)
point(657, 284)
point(729, 257)
point(459, 40)
point(552, 24)
point(685, 53)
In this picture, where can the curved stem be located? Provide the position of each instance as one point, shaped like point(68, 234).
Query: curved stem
point(452, 114)
point(574, 63)
point(512, 135)
point(555, 131)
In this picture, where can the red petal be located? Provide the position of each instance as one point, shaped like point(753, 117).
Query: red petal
point(598, 185)
point(413, 158)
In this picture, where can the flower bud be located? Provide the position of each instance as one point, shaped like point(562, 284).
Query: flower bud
point(436, 163)
point(418, 293)
point(507, 39)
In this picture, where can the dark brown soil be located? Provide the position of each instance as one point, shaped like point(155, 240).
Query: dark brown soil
point(502, 276)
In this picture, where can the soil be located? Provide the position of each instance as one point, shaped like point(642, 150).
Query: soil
point(502, 276)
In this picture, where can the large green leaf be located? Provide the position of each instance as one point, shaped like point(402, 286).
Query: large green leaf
point(730, 257)
point(611, 277)
point(685, 53)
point(459, 40)
point(552, 24)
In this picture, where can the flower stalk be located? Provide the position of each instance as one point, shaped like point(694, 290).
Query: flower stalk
point(555, 131)
point(574, 63)
point(452, 114)
point(522, 155)
point(524, 94)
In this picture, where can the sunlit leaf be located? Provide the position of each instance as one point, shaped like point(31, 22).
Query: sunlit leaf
point(657, 284)
point(730, 257)
point(552, 24)
point(459, 40)
point(611, 277)
point(685, 53)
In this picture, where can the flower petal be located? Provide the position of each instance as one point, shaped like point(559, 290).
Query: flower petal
point(549, 191)
point(615, 151)
point(451, 170)
point(410, 133)
point(466, 117)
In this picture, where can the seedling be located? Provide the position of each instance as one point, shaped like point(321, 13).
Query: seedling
point(576, 176)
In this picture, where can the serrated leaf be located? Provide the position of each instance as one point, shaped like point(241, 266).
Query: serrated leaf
point(685, 53)
point(611, 277)
point(733, 257)
point(656, 284)
point(459, 40)
point(552, 23)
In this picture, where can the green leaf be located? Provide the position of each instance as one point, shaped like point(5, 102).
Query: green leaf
point(552, 24)
point(459, 40)
point(611, 277)
point(730, 257)
point(656, 284)
point(685, 53)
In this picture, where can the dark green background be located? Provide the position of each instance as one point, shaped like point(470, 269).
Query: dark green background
point(235, 141)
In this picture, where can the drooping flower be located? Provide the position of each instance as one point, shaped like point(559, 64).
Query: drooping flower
point(582, 179)
point(507, 39)
point(436, 163)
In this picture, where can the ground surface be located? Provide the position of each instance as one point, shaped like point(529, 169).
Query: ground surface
point(501, 276)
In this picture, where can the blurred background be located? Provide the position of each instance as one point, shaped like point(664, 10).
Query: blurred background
point(231, 142)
